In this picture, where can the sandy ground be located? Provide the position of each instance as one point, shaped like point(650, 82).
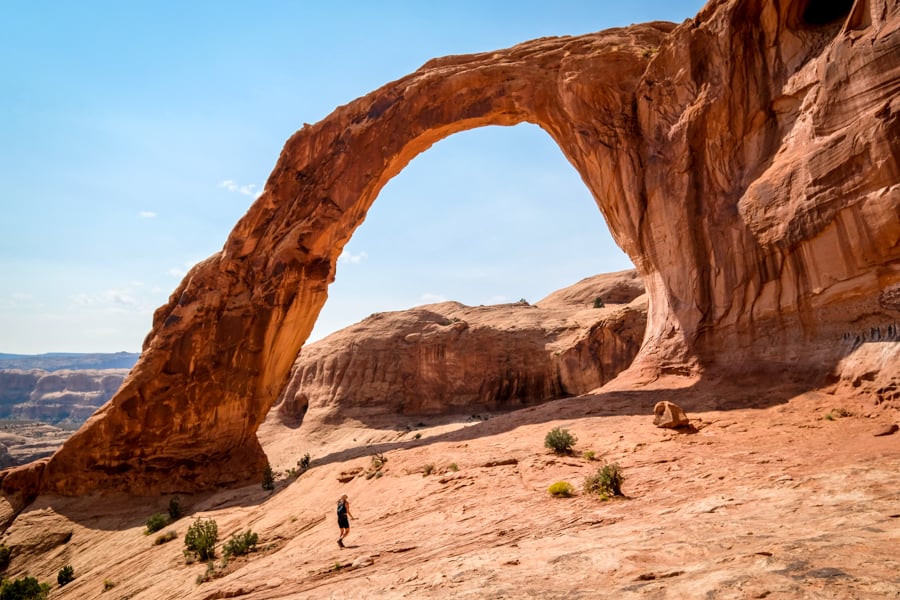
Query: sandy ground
point(788, 496)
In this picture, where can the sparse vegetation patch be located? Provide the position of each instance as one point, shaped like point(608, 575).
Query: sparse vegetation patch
point(175, 510)
point(268, 478)
point(835, 413)
point(606, 482)
point(200, 540)
point(5, 555)
point(165, 537)
point(240, 544)
point(561, 489)
point(24, 588)
point(65, 575)
point(155, 522)
point(560, 440)
point(303, 463)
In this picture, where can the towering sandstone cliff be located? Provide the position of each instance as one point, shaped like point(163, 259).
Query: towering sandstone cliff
point(746, 160)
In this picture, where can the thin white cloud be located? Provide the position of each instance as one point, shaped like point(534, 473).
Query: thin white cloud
point(432, 298)
point(180, 272)
point(106, 298)
point(348, 257)
point(17, 300)
point(247, 189)
point(147, 214)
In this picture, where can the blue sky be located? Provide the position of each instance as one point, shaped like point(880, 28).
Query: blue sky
point(136, 134)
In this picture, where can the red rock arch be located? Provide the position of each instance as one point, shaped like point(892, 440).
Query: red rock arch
point(752, 183)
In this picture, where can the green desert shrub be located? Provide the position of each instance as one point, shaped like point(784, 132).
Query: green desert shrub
point(606, 482)
point(65, 575)
point(598, 302)
point(268, 478)
point(200, 540)
point(5, 556)
point(24, 588)
point(175, 510)
point(561, 489)
point(427, 470)
point(155, 522)
point(240, 544)
point(588, 455)
point(560, 440)
point(303, 463)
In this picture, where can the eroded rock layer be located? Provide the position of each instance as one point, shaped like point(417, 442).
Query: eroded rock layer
point(68, 397)
point(448, 358)
point(746, 160)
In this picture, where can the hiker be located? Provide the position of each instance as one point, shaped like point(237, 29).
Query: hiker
point(343, 515)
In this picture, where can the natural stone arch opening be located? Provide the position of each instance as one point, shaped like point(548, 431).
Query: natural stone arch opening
point(753, 186)
point(480, 209)
point(517, 222)
point(220, 352)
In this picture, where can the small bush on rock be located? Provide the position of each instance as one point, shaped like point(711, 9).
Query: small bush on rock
point(560, 440)
point(24, 588)
point(561, 489)
point(65, 575)
point(240, 544)
point(200, 540)
point(155, 522)
point(175, 508)
point(607, 482)
point(5, 556)
point(303, 463)
point(268, 478)
point(165, 537)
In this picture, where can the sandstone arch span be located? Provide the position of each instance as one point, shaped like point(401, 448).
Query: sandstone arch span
point(747, 165)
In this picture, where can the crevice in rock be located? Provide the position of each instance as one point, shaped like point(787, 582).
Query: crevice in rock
point(818, 13)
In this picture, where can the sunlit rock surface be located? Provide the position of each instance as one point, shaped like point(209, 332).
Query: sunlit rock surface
point(746, 160)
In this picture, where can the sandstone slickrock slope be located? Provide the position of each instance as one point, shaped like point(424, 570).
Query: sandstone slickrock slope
point(746, 160)
point(448, 358)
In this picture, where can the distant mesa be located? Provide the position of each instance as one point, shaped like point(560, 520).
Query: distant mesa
point(57, 361)
point(448, 358)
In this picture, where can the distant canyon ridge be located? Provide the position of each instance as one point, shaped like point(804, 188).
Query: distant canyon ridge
point(44, 397)
point(747, 161)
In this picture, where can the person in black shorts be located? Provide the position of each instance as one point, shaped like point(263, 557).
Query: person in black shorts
point(344, 515)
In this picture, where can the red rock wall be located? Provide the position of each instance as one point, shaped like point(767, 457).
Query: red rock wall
point(448, 358)
point(746, 160)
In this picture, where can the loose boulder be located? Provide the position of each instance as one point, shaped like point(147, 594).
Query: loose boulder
point(669, 415)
